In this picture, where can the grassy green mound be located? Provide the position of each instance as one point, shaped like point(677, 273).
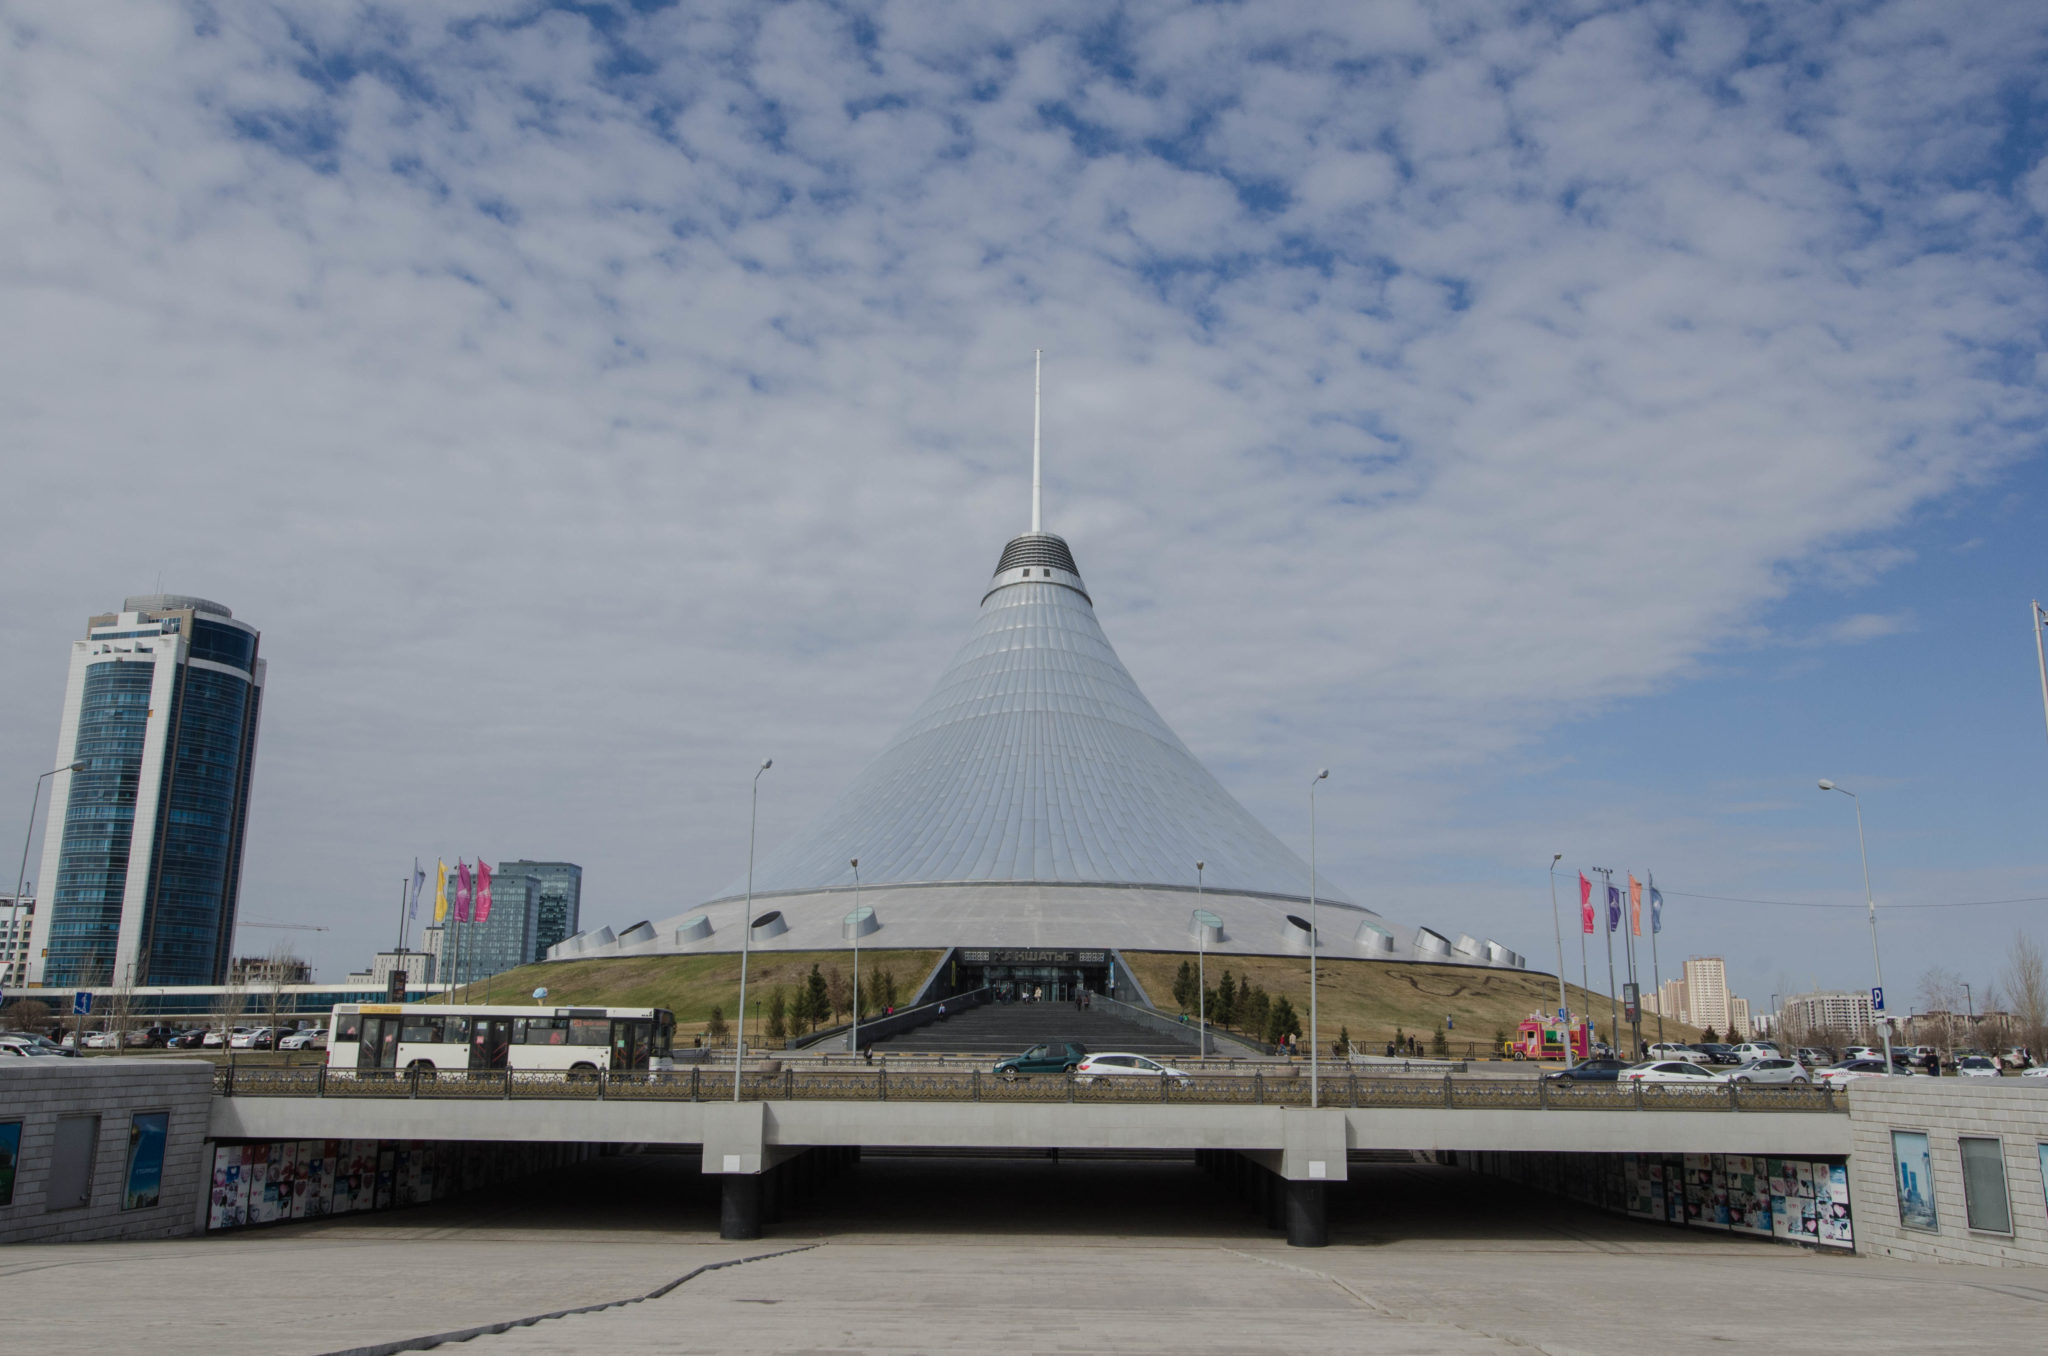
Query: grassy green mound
point(690, 986)
point(1377, 999)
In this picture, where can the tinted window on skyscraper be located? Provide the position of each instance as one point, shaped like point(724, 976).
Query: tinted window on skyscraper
point(222, 644)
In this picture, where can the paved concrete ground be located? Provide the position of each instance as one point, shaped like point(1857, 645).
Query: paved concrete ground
point(1071, 1256)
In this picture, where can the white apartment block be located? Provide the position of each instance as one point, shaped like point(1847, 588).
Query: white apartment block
point(1738, 1019)
point(14, 934)
point(1706, 992)
point(1839, 1011)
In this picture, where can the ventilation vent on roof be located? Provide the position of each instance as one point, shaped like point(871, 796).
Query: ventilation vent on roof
point(1037, 548)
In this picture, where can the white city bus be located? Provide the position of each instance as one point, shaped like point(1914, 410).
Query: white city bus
point(458, 1036)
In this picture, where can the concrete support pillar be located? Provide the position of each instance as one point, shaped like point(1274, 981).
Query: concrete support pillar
point(1308, 1220)
point(739, 1206)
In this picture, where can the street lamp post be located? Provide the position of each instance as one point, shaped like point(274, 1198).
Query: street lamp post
point(1884, 1025)
point(854, 922)
point(21, 876)
point(1201, 968)
point(739, 1044)
point(1314, 1050)
point(1564, 1007)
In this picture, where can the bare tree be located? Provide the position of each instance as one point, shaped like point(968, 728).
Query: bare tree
point(1941, 994)
point(28, 1014)
point(233, 1001)
point(839, 991)
point(2025, 982)
point(276, 967)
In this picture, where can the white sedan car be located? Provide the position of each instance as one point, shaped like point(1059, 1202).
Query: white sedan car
point(312, 1038)
point(1670, 1071)
point(1975, 1066)
point(1125, 1066)
point(2038, 1071)
point(1674, 1051)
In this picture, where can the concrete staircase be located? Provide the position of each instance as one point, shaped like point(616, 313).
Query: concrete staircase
point(1011, 1028)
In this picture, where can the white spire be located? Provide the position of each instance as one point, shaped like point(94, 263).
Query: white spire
point(1037, 365)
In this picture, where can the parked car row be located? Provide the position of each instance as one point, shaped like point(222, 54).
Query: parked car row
point(176, 1038)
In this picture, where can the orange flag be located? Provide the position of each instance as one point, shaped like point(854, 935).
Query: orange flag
point(1635, 905)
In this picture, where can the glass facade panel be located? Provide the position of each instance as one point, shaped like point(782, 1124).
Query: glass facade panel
point(202, 811)
point(99, 824)
point(1984, 1195)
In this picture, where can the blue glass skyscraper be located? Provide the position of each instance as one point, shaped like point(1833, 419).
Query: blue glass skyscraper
point(142, 858)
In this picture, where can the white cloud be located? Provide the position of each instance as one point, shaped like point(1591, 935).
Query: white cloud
point(580, 429)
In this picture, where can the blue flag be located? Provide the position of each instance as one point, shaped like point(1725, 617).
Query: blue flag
point(1656, 907)
point(1613, 907)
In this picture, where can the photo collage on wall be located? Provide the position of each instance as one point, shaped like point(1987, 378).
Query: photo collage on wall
point(310, 1178)
point(1794, 1200)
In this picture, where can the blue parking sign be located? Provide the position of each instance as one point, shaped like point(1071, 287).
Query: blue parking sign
point(1877, 1000)
point(81, 1003)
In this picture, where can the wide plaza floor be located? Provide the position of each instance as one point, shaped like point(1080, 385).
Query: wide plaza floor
point(994, 1256)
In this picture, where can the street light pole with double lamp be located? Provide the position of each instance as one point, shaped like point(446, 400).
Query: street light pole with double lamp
point(739, 1043)
point(1884, 1025)
point(1313, 965)
point(20, 948)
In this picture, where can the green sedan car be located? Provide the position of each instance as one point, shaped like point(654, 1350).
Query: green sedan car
point(1051, 1057)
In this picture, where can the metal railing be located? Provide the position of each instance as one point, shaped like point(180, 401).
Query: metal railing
point(880, 1084)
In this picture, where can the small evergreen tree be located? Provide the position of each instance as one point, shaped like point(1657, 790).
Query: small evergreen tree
point(1708, 1037)
point(778, 1016)
point(715, 1030)
point(889, 988)
point(839, 990)
point(1257, 1011)
point(1281, 1021)
point(1184, 987)
point(1225, 1014)
point(1342, 1049)
point(818, 1007)
point(1439, 1046)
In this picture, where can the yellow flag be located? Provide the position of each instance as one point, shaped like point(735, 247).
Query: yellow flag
point(440, 891)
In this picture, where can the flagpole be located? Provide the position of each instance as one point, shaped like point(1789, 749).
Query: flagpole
point(1630, 914)
point(401, 915)
point(1656, 973)
point(1613, 1003)
point(1585, 980)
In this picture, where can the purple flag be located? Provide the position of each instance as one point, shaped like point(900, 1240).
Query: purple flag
point(1613, 908)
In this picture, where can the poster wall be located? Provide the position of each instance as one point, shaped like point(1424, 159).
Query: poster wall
point(147, 1131)
point(1792, 1200)
point(272, 1183)
point(1913, 1172)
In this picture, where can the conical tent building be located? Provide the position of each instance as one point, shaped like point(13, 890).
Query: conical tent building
point(1037, 815)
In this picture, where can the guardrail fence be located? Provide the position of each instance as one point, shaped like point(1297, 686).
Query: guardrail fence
point(880, 1085)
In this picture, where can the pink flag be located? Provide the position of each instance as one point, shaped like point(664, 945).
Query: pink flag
point(461, 891)
point(1635, 905)
point(1585, 902)
point(483, 891)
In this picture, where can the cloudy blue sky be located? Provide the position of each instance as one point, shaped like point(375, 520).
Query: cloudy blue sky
point(1579, 426)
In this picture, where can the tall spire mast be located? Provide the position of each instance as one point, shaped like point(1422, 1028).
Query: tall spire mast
point(1037, 366)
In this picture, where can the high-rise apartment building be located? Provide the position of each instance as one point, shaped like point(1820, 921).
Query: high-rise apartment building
point(16, 919)
point(1844, 1011)
point(1738, 1019)
point(1706, 993)
point(142, 856)
point(561, 900)
point(1669, 1001)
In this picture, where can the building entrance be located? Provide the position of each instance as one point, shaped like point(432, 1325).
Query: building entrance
point(1037, 974)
